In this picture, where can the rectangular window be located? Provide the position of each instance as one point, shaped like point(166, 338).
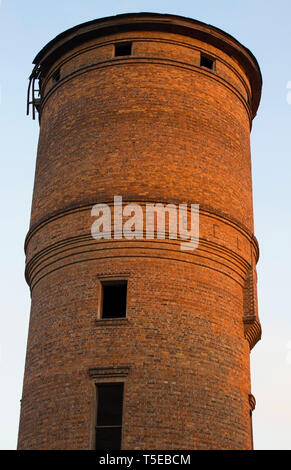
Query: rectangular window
point(109, 416)
point(113, 299)
point(122, 49)
point(207, 62)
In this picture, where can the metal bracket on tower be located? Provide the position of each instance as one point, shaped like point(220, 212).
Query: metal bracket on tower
point(34, 91)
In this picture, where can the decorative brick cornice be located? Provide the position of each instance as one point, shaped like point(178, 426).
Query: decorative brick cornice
point(84, 249)
point(87, 206)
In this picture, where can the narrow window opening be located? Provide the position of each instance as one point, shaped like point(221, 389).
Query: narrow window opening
point(207, 62)
point(57, 75)
point(109, 416)
point(114, 299)
point(124, 48)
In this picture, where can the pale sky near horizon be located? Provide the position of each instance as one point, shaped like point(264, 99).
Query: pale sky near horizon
point(261, 25)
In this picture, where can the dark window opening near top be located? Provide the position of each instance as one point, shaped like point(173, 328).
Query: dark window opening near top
point(114, 299)
point(123, 48)
point(207, 62)
point(57, 75)
point(109, 416)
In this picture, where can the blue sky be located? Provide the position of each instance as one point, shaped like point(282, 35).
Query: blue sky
point(261, 25)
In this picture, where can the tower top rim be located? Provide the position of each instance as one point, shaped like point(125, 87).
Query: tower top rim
point(146, 21)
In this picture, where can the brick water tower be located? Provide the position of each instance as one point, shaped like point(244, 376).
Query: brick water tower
point(135, 343)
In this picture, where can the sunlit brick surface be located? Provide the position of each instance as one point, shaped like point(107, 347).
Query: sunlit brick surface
point(151, 127)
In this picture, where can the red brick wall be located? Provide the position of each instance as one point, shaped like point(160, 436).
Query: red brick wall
point(151, 127)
